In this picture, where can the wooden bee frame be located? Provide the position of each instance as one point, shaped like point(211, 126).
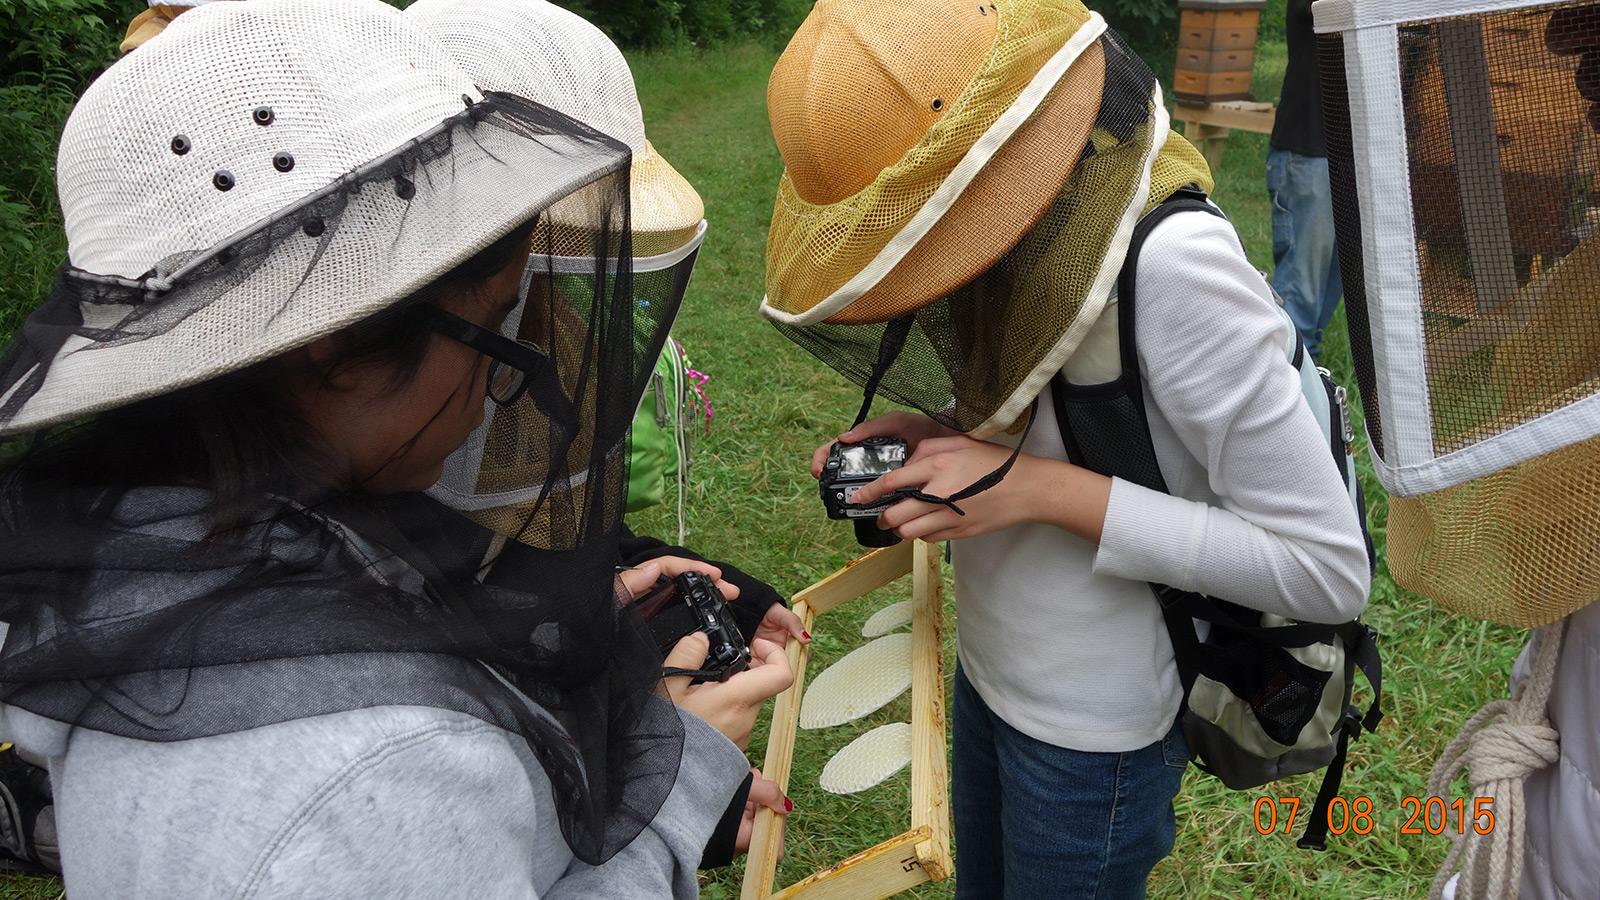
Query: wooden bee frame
point(922, 853)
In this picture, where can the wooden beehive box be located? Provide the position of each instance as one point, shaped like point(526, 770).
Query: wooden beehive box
point(1216, 49)
point(1517, 119)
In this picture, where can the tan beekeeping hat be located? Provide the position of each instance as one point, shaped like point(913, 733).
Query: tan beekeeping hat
point(538, 50)
point(921, 141)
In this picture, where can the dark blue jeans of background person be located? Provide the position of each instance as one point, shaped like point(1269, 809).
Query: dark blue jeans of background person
point(1039, 822)
point(1304, 254)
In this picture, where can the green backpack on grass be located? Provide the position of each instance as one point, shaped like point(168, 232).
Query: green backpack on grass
point(661, 440)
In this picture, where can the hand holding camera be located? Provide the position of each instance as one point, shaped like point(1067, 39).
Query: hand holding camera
point(731, 705)
point(862, 455)
point(942, 463)
point(847, 471)
point(639, 580)
point(913, 428)
point(689, 603)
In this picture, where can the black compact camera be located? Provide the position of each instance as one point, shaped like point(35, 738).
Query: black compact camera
point(849, 468)
point(677, 607)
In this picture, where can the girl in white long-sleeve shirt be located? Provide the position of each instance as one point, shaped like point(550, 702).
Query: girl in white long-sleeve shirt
point(1067, 754)
point(951, 223)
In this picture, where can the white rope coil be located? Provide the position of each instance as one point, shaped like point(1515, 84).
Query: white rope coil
point(1499, 748)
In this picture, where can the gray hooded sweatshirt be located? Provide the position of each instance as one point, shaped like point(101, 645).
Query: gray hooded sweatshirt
point(395, 801)
point(390, 801)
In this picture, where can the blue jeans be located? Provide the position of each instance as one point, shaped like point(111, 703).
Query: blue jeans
point(1036, 821)
point(1304, 254)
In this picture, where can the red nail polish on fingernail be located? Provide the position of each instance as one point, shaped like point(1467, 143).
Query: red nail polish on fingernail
point(788, 805)
point(805, 634)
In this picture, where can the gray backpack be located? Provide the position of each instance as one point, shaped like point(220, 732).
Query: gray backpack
point(1264, 697)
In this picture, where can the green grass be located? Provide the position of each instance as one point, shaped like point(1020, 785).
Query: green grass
point(754, 503)
point(30, 887)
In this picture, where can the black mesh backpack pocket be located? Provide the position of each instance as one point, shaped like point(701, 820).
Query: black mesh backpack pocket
point(1282, 692)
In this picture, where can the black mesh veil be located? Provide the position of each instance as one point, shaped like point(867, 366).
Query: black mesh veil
point(488, 479)
point(129, 612)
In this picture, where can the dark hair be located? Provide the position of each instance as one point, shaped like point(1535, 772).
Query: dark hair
point(239, 435)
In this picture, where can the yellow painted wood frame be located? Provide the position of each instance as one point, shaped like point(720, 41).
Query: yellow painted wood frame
point(922, 853)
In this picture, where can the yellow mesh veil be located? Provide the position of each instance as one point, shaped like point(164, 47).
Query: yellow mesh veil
point(976, 356)
point(1520, 546)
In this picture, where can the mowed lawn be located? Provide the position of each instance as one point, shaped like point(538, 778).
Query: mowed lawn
point(753, 502)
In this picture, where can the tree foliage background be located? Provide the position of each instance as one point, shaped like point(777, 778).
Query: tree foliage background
point(54, 48)
point(654, 23)
point(1150, 25)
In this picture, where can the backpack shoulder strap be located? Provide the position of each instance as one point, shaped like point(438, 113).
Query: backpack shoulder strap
point(1185, 199)
point(1115, 414)
point(1105, 429)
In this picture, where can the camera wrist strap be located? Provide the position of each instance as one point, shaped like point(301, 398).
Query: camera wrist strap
point(889, 346)
point(982, 484)
point(706, 674)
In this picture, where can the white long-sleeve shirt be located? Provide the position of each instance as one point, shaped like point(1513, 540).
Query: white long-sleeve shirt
point(1063, 639)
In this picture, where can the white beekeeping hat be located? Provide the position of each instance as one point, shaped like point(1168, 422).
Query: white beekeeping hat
point(261, 174)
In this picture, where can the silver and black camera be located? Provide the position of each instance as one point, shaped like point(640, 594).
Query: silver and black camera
point(849, 468)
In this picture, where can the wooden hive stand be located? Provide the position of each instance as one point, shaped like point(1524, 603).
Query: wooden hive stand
point(921, 853)
point(1216, 53)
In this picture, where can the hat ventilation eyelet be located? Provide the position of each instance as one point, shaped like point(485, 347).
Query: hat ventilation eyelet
point(314, 227)
point(283, 161)
point(404, 188)
point(223, 180)
point(180, 144)
point(938, 104)
point(262, 115)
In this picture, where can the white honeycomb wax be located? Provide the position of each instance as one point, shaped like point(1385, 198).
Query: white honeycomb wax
point(866, 679)
point(887, 619)
point(868, 759)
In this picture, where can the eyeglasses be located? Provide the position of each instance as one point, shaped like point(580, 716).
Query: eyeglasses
point(512, 363)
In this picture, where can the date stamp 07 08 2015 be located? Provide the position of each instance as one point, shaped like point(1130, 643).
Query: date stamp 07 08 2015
point(1421, 815)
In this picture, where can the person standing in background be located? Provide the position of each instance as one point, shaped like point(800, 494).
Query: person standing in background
point(1306, 267)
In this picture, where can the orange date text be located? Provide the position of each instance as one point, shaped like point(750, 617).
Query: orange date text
point(1358, 815)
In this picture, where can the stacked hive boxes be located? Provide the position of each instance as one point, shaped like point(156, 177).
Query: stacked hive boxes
point(1216, 49)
